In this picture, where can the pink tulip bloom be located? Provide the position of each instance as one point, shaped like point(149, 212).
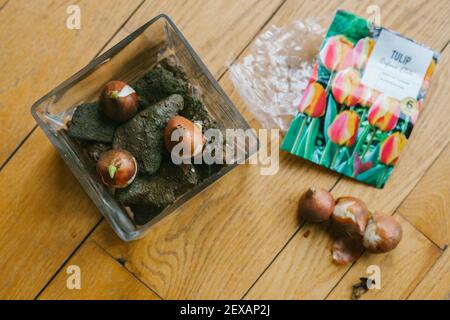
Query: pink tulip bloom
point(391, 148)
point(428, 74)
point(384, 113)
point(336, 53)
point(344, 129)
point(314, 101)
point(361, 52)
point(367, 96)
point(346, 87)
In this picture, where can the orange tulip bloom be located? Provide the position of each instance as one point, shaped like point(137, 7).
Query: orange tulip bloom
point(336, 53)
point(415, 115)
point(314, 101)
point(367, 96)
point(428, 74)
point(344, 129)
point(361, 52)
point(391, 148)
point(384, 113)
point(346, 87)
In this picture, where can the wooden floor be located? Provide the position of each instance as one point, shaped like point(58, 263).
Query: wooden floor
point(240, 238)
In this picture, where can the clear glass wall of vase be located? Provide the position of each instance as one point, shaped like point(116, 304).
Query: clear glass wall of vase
point(157, 42)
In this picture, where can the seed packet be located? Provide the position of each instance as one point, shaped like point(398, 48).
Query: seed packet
point(362, 101)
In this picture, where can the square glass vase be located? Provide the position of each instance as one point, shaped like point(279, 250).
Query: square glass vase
point(128, 60)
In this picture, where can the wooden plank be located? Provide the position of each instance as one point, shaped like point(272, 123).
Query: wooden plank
point(303, 270)
point(435, 285)
point(217, 30)
point(55, 189)
point(40, 52)
point(418, 156)
point(3, 4)
point(39, 227)
point(102, 278)
point(427, 207)
point(401, 269)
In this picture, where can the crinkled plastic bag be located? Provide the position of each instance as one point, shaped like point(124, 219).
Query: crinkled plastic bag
point(272, 78)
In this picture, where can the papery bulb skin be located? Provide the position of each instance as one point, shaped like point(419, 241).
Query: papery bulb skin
point(346, 250)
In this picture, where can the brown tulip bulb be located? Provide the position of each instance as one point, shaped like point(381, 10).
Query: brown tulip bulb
point(185, 135)
point(350, 216)
point(117, 168)
point(383, 233)
point(118, 101)
point(316, 205)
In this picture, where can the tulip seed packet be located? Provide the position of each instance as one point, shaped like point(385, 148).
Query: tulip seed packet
point(362, 101)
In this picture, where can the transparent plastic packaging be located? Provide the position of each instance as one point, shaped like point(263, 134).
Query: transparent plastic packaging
point(271, 79)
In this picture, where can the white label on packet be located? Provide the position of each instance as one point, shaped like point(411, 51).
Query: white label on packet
point(397, 66)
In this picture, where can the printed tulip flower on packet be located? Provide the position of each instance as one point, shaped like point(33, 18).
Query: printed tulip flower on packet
point(362, 101)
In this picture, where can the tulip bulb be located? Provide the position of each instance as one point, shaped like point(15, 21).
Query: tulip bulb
point(190, 137)
point(117, 168)
point(350, 216)
point(383, 233)
point(316, 205)
point(118, 101)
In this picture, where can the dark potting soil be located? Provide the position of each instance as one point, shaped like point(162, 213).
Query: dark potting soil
point(163, 93)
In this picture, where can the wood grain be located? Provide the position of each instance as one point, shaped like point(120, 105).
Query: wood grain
point(102, 279)
point(46, 186)
point(40, 52)
point(206, 250)
point(217, 30)
point(427, 207)
point(3, 4)
point(401, 269)
point(304, 270)
point(417, 158)
point(39, 227)
point(436, 284)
